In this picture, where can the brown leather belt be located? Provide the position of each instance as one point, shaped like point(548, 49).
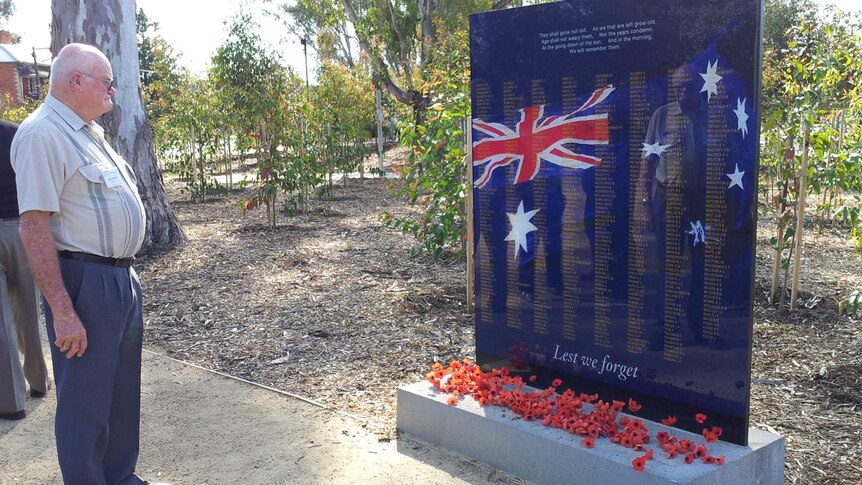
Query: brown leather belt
point(92, 258)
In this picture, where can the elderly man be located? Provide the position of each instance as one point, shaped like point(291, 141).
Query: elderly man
point(82, 221)
point(17, 300)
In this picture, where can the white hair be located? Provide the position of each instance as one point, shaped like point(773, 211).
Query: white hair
point(73, 58)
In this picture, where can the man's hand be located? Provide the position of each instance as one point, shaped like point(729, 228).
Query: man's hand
point(41, 251)
point(71, 335)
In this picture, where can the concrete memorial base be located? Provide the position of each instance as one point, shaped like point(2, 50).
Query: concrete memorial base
point(497, 437)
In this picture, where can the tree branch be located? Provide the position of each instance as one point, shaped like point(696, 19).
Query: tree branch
point(406, 97)
point(402, 47)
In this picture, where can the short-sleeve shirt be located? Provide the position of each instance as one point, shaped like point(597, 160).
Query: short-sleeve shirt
point(63, 165)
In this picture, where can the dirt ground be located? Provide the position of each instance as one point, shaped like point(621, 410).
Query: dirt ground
point(201, 428)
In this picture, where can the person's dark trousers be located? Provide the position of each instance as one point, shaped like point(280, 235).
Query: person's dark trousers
point(99, 394)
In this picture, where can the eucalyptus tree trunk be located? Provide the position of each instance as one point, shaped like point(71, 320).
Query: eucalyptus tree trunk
point(110, 26)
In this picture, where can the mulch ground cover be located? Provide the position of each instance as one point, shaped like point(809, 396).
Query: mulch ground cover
point(329, 305)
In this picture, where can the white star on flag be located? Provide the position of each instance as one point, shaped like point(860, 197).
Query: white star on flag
point(698, 233)
point(710, 80)
point(741, 116)
point(655, 149)
point(735, 177)
point(521, 225)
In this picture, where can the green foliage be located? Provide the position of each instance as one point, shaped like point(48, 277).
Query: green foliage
point(324, 25)
point(852, 303)
point(343, 114)
point(162, 79)
point(261, 102)
point(7, 8)
point(436, 175)
point(11, 111)
point(812, 61)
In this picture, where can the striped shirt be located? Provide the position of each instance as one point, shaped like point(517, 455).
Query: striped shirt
point(64, 166)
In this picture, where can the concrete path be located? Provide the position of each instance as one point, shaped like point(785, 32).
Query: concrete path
point(202, 428)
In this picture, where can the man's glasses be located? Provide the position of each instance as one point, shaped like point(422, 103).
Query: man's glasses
point(108, 83)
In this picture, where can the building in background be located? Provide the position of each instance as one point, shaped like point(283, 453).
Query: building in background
point(23, 72)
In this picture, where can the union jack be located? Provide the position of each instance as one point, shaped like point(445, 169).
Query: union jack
point(533, 140)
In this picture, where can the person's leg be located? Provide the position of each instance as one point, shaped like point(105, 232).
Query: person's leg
point(121, 455)
point(25, 309)
point(85, 384)
point(12, 387)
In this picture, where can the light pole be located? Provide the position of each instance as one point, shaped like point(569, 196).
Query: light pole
point(304, 43)
point(37, 87)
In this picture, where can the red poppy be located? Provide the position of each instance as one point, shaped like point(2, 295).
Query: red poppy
point(589, 442)
point(689, 458)
point(686, 445)
point(532, 378)
point(662, 437)
point(669, 421)
point(639, 463)
point(719, 460)
point(452, 400)
point(700, 418)
point(556, 382)
point(634, 406)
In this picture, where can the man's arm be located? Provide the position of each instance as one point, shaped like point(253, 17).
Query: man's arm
point(42, 254)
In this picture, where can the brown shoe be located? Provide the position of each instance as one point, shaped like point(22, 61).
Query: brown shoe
point(13, 416)
point(36, 394)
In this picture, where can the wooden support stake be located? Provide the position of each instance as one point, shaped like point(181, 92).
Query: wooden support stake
point(779, 249)
point(468, 159)
point(379, 116)
point(800, 218)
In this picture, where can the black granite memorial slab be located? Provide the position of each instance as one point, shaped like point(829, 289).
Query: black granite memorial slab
point(615, 154)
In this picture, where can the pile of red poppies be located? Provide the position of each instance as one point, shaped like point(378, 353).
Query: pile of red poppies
point(566, 411)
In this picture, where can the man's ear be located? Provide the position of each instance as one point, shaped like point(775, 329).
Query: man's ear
point(75, 79)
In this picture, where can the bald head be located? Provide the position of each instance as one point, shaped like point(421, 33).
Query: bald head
point(71, 59)
point(82, 79)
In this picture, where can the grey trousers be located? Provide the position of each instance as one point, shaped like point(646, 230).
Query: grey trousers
point(19, 324)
